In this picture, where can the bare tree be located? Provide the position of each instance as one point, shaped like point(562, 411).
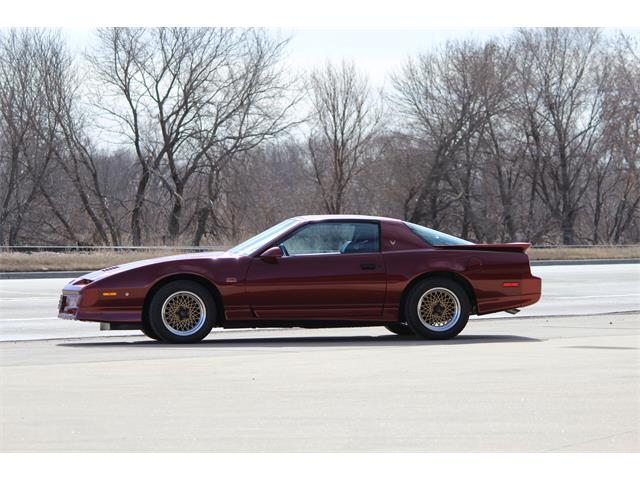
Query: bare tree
point(258, 108)
point(393, 177)
point(345, 119)
point(438, 97)
point(616, 193)
point(186, 97)
point(563, 74)
point(44, 131)
point(24, 158)
point(532, 136)
point(74, 151)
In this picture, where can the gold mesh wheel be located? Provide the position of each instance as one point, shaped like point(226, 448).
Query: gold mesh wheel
point(183, 313)
point(439, 309)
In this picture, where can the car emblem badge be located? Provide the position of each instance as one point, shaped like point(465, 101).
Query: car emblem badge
point(232, 280)
point(392, 242)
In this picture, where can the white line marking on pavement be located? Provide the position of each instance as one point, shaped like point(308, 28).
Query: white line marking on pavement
point(30, 298)
point(21, 319)
point(598, 296)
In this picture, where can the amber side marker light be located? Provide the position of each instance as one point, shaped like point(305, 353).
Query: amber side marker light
point(511, 284)
point(109, 294)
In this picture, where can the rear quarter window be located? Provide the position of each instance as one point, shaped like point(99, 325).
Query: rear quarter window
point(434, 237)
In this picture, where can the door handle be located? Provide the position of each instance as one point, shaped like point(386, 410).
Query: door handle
point(368, 266)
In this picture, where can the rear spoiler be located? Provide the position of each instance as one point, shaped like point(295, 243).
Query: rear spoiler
point(490, 247)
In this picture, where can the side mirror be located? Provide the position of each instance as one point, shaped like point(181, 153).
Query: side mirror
point(272, 254)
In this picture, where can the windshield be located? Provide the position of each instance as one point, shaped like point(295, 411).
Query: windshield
point(254, 243)
point(434, 237)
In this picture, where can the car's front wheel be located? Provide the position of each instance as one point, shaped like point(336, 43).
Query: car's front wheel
point(437, 308)
point(146, 329)
point(182, 311)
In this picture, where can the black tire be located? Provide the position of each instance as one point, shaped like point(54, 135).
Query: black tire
point(191, 300)
point(452, 292)
point(146, 329)
point(400, 329)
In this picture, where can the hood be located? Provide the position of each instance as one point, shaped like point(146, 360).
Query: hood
point(108, 271)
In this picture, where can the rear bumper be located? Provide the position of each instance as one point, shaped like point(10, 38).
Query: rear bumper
point(500, 298)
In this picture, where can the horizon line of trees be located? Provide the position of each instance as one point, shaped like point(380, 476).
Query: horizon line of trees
point(192, 136)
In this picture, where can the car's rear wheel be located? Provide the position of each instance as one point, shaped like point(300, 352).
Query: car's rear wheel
point(182, 312)
point(400, 329)
point(437, 308)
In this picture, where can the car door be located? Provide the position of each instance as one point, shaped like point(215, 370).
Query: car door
point(329, 270)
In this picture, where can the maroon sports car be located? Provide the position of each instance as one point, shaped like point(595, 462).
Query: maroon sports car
point(312, 271)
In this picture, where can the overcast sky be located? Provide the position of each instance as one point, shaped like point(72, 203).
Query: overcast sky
point(375, 52)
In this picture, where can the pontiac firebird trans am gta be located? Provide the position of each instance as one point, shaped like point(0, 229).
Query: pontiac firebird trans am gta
point(312, 271)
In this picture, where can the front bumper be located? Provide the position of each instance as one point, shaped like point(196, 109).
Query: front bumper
point(88, 305)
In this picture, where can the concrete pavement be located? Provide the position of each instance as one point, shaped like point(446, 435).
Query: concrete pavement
point(533, 384)
point(544, 380)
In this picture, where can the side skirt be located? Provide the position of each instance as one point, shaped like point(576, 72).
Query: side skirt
point(120, 326)
point(262, 323)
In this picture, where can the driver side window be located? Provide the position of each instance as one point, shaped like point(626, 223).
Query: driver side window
point(333, 237)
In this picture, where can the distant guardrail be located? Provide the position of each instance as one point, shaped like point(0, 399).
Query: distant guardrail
point(633, 245)
point(205, 248)
point(123, 248)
